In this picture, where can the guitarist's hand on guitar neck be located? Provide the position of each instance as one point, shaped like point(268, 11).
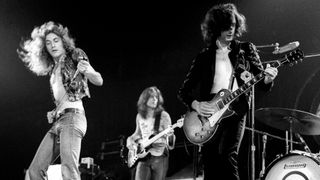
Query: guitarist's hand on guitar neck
point(171, 131)
point(271, 73)
point(203, 108)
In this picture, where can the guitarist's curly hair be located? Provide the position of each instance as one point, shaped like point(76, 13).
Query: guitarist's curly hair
point(144, 97)
point(218, 19)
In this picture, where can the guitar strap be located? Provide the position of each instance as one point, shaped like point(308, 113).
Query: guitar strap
point(232, 77)
point(157, 122)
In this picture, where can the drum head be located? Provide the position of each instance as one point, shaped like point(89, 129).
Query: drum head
point(293, 167)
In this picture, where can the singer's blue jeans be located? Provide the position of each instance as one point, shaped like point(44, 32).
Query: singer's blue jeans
point(64, 139)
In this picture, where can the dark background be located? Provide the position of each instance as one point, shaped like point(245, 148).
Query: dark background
point(135, 45)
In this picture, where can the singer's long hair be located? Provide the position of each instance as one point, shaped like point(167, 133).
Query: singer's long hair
point(144, 97)
point(219, 19)
point(33, 51)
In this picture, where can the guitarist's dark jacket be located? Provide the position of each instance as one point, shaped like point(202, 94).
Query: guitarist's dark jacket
point(199, 80)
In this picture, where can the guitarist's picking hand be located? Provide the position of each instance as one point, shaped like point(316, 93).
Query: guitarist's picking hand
point(203, 108)
point(131, 144)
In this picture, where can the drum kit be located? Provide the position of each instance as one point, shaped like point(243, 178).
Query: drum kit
point(294, 164)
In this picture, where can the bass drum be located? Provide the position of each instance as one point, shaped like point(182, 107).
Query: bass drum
point(297, 165)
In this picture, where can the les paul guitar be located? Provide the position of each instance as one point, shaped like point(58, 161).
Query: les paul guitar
point(141, 150)
point(199, 129)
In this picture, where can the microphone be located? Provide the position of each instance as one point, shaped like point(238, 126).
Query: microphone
point(286, 48)
point(75, 75)
point(77, 71)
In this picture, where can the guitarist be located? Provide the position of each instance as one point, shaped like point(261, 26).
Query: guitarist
point(150, 120)
point(224, 63)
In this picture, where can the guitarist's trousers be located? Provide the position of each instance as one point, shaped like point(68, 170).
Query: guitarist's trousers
point(152, 168)
point(220, 154)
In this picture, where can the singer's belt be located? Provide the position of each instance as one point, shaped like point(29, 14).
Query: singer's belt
point(70, 110)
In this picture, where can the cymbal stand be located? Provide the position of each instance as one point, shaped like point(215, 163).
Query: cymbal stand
point(287, 143)
point(290, 130)
point(290, 136)
point(303, 142)
point(272, 136)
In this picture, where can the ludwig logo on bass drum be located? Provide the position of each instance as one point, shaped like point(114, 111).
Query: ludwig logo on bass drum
point(295, 165)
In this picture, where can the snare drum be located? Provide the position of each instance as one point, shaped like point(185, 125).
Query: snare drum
point(297, 165)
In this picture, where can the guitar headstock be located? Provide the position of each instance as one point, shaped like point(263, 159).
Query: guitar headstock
point(294, 57)
point(179, 122)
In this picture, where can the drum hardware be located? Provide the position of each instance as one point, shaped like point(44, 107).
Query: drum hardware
point(306, 147)
point(287, 143)
point(276, 137)
point(264, 140)
point(294, 164)
point(294, 121)
point(264, 143)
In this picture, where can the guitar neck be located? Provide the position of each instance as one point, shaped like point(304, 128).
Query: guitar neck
point(245, 87)
point(156, 137)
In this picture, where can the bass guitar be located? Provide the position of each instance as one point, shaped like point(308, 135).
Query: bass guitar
point(199, 129)
point(141, 150)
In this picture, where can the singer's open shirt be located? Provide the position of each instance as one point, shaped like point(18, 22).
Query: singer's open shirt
point(76, 87)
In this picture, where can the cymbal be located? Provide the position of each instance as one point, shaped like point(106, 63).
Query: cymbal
point(281, 118)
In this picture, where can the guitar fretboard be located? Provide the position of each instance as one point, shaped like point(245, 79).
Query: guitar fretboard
point(245, 87)
point(162, 133)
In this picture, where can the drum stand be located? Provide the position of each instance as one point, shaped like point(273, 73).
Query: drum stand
point(290, 136)
point(264, 140)
point(306, 148)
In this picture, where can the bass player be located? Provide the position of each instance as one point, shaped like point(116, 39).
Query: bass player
point(151, 119)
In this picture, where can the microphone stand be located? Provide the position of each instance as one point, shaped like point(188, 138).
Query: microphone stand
point(275, 45)
point(251, 116)
point(252, 140)
point(263, 156)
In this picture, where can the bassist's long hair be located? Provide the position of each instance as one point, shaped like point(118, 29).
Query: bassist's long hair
point(144, 97)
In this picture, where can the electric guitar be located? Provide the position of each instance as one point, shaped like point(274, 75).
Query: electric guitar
point(199, 129)
point(141, 150)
